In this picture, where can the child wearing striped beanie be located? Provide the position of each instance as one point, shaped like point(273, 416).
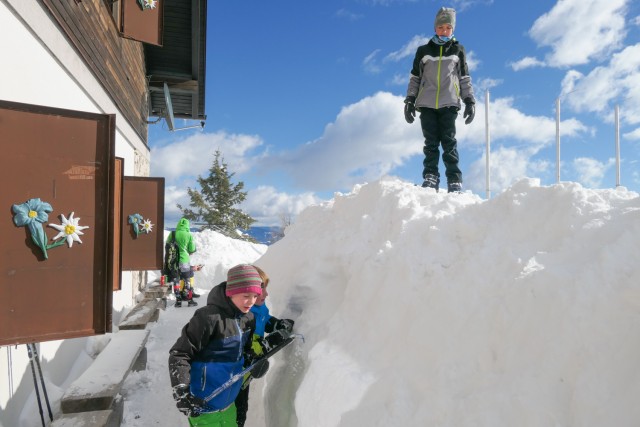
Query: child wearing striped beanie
point(242, 279)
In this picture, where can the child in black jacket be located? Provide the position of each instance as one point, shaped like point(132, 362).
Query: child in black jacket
point(211, 349)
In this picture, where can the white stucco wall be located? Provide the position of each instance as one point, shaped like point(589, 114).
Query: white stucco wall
point(38, 66)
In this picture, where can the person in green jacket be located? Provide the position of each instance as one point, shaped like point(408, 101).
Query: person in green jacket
point(186, 247)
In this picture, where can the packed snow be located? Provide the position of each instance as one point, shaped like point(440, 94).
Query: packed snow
point(431, 309)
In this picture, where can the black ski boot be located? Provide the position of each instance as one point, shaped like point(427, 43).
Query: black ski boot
point(431, 181)
point(191, 303)
point(454, 187)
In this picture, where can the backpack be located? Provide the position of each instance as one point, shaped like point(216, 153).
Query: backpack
point(171, 267)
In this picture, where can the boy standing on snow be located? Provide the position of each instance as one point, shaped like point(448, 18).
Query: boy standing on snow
point(210, 350)
point(439, 80)
point(265, 322)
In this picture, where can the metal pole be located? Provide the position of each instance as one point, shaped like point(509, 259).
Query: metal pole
point(617, 125)
point(488, 137)
point(558, 140)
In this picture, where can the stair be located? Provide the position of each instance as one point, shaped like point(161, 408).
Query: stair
point(146, 310)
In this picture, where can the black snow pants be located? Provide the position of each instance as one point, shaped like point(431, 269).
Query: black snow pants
point(439, 127)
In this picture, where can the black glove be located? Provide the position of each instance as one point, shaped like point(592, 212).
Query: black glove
point(260, 368)
point(284, 324)
point(275, 339)
point(409, 109)
point(186, 402)
point(469, 110)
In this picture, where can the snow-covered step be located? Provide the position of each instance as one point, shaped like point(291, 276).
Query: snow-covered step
point(97, 388)
point(144, 312)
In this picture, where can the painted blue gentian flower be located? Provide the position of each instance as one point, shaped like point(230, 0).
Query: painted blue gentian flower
point(136, 220)
point(32, 214)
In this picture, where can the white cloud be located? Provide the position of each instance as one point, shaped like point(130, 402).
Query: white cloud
point(174, 195)
point(408, 50)
point(266, 205)
point(508, 124)
point(370, 63)
point(526, 62)
point(633, 135)
point(578, 31)
point(194, 155)
point(616, 82)
point(400, 80)
point(483, 84)
point(507, 165)
point(182, 161)
point(367, 140)
point(472, 61)
point(591, 171)
point(348, 15)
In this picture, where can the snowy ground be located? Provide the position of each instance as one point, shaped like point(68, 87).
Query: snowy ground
point(426, 309)
point(440, 310)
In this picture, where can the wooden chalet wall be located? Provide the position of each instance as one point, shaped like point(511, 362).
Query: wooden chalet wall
point(116, 62)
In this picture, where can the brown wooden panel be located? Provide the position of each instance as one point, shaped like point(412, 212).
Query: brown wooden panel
point(143, 196)
point(140, 24)
point(64, 158)
point(117, 223)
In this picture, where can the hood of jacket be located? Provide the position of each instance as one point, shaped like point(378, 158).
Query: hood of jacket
point(218, 298)
point(183, 225)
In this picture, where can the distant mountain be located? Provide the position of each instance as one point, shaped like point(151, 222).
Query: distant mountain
point(263, 235)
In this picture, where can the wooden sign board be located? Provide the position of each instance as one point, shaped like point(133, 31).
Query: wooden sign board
point(144, 25)
point(56, 266)
point(142, 198)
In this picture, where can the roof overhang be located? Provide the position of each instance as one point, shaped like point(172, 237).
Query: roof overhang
point(180, 63)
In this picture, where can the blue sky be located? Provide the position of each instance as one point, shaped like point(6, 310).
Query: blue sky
point(305, 99)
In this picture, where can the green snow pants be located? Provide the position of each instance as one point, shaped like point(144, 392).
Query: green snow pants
point(226, 418)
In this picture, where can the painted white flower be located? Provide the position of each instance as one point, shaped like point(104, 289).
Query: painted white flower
point(147, 227)
point(69, 229)
point(150, 4)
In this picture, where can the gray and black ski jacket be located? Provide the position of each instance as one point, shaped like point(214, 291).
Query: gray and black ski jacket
point(440, 76)
point(210, 349)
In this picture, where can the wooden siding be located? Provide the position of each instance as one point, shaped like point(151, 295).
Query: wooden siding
point(117, 63)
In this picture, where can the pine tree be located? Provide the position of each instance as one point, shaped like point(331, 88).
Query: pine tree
point(213, 207)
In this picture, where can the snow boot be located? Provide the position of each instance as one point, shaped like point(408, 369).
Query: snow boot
point(454, 187)
point(431, 181)
point(191, 303)
point(178, 303)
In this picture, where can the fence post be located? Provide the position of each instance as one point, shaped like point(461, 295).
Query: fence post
point(558, 140)
point(617, 126)
point(488, 137)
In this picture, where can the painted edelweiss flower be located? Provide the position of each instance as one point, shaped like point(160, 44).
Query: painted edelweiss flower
point(147, 227)
point(149, 4)
point(69, 229)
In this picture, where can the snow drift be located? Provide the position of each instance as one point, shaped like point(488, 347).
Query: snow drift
point(424, 308)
